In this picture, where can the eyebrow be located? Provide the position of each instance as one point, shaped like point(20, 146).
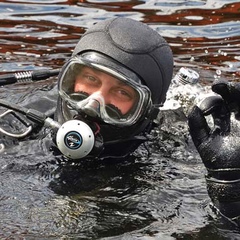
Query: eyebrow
point(122, 83)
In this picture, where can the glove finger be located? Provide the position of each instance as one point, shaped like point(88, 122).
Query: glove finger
point(209, 104)
point(235, 95)
point(221, 87)
point(198, 127)
point(230, 92)
point(216, 106)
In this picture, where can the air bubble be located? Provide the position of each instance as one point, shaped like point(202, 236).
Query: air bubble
point(218, 72)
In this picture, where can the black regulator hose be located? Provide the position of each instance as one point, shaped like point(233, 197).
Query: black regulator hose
point(28, 76)
point(75, 139)
point(32, 114)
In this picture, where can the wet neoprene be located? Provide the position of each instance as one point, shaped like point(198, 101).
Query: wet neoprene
point(219, 147)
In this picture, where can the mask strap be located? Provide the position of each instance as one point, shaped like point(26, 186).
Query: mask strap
point(153, 113)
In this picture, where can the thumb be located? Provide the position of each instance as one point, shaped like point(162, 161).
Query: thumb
point(216, 106)
point(198, 127)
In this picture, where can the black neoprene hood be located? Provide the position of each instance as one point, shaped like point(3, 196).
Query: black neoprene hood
point(137, 47)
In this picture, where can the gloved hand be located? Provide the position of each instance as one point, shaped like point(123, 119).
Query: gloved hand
point(219, 146)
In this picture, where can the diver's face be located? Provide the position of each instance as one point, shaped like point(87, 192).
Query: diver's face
point(112, 90)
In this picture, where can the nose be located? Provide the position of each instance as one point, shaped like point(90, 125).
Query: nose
point(104, 93)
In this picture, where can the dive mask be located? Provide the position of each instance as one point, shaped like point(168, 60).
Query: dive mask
point(94, 85)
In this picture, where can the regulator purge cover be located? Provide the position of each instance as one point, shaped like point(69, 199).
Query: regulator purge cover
point(75, 139)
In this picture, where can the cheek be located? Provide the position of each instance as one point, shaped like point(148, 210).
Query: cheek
point(80, 87)
point(77, 87)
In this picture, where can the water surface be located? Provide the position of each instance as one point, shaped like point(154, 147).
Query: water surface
point(160, 192)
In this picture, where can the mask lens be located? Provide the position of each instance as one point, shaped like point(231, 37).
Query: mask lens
point(113, 112)
point(118, 100)
point(78, 96)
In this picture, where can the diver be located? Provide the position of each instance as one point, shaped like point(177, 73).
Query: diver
point(112, 89)
point(115, 82)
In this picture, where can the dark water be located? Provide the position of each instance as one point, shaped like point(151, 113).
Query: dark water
point(161, 195)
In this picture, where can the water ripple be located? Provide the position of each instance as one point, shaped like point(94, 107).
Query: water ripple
point(161, 196)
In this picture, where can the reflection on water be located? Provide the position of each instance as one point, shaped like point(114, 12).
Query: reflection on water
point(157, 196)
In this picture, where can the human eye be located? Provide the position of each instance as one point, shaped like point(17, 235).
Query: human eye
point(91, 79)
point(124, 94)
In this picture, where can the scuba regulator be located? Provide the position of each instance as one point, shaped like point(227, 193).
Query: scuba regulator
point(75, 139)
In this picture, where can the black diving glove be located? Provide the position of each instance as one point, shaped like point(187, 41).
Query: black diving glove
point(219, 146)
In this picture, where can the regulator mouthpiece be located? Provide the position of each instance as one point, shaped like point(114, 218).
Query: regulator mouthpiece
point(75, 139)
